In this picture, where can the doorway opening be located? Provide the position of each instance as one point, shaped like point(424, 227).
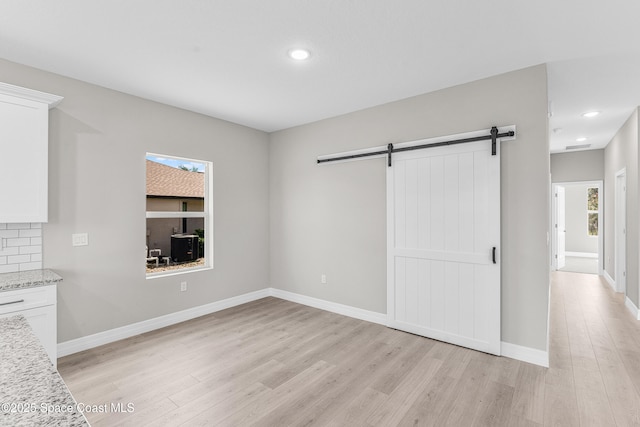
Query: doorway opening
point(577, 227)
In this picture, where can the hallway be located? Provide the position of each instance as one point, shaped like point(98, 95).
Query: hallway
point(594, 373)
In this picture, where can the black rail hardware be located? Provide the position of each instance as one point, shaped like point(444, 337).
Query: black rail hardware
point(493, 136)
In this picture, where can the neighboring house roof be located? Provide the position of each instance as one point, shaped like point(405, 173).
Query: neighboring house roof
point(166, 181)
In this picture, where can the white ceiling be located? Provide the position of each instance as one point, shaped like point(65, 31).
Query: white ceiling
point(227, 58)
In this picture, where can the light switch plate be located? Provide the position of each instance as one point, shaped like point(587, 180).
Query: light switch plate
point(80, 239)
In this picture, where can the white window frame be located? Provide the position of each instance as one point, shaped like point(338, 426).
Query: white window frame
point(206, 214)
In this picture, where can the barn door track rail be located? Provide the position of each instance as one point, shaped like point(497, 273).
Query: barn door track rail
point(493, 136)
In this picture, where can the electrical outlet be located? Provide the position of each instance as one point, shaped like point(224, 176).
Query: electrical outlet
point(323, 279)
point(80, 239)
point(183, 286)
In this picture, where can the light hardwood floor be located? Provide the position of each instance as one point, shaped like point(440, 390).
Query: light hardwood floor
point(276, 363)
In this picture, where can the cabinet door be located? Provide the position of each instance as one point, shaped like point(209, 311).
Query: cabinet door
point(44, 328)
point(23, 160)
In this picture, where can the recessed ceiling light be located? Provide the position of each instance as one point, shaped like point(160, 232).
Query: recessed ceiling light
point(581, 139)
point(299, 54)
point(590, 114)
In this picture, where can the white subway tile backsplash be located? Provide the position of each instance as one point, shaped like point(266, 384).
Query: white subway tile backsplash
point(25, 241)
point(20, 226)
point(17, 259)
point(32, 232)
point(26, 266)
point(9, 251)
point(20, 247)
point(30, 250)
point(10, 268)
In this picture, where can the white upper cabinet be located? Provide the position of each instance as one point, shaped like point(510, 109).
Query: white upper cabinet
point(24, 148)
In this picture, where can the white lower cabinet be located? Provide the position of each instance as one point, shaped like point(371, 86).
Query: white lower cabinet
point(38, 306)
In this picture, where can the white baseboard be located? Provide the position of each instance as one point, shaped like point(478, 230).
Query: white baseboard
point(90, 341)
point(345, 310)
point(582, 254)
point(525, 354)
point(610, 281)
point(632, 308)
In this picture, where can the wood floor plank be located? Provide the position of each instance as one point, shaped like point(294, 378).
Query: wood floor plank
point(410, 356)
point(359, 409)
point(528, 398)
point(229, 383)
point(467, 401)
point(495, 408)
point(432, 401)
point(212, 414)
point(334, 392)
point(593, 403)
point(406, 393)
point(279, 396)
point(560, 406)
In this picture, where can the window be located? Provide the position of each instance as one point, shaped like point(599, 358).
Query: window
point(592, 211)
point(178, 215)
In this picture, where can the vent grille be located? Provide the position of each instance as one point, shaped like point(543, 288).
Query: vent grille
point(577, 147)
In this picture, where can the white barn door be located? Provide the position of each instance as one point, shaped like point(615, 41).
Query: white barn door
point(443, 213)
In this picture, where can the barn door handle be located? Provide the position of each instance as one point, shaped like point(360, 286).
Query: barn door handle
point(494, 255)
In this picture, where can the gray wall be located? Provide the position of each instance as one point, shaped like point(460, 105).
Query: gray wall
point(332, 219)
point(577, 166)
point(324, 220)
point(622, 152)
point(577, 238)
point(98, 141)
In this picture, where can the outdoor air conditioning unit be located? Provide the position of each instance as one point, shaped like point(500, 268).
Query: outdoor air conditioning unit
point(184, 247)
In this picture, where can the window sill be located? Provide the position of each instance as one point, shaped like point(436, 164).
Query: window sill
point(176, 272)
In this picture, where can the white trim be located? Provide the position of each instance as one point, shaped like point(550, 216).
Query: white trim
point(582, 254)
point(445, 337)
point(632, 308)
point(176, 272)
point(90, 341)
point(610, 281)
point(166, 214)
point(525, 354)
point(620, 225)
point(334, 307)
point(554, 226)
point(31, 95)
point(554, 243)
point(206, 214)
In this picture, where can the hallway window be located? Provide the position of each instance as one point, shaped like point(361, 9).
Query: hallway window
point(592, 211)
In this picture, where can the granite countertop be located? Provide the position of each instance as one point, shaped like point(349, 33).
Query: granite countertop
point(28, 279)
point(31, 390)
